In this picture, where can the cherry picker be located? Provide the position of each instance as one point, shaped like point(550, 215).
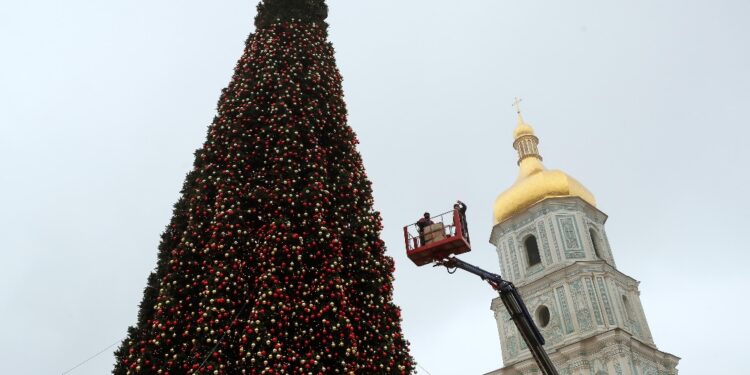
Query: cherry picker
point(437, 239)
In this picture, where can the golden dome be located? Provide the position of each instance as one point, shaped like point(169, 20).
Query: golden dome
point(522, 129)
point(534, 182)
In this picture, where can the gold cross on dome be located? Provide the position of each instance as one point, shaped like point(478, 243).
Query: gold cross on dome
point(517, 104)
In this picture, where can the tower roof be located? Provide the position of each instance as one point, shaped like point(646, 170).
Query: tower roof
point(534, 182)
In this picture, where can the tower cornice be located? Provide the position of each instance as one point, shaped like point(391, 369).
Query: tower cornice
point(616, 342)
point(544, 206)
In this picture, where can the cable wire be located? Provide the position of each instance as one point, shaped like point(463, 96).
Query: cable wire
point(90, 358)
point(423, 369)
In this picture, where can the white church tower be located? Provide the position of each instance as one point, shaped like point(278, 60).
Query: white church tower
point(552, 245)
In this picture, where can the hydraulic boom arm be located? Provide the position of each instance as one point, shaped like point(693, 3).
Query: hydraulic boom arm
point(517, 309)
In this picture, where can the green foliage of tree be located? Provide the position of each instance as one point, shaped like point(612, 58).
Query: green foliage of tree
point(273, 11)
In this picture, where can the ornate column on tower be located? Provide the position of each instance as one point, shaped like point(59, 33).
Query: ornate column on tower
point(552, 245)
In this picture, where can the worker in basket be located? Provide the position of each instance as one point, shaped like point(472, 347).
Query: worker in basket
point(422, 223)
point(461, 208)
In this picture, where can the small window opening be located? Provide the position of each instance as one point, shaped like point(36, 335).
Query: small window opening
point(595, 243)
point(542, 316)
point(532, 251)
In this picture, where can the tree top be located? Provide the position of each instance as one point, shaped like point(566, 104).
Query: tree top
point(274, 11)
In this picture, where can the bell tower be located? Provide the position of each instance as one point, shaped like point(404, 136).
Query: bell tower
point(552, 244)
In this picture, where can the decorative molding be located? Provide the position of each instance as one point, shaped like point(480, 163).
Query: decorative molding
point(630, 317)
point(633, 369)
point(609, 248)
point(503, 258)
point(570, 236)
point(618, 368)
point(583, 315)
point(604, 293)
point(535, 269)
point(594, 301)
point(571, 271)
point(554, 240)
point(563, 302)
point(543, 207)
point(545, 244)
point(514, 259)
point(525, 231)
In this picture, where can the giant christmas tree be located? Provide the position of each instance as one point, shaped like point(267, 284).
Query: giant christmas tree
point(272, 263)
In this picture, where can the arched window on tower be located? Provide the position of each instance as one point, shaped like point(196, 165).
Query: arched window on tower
point(532, 251)
point(595, 242)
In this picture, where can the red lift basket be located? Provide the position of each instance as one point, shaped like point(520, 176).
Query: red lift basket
point(445, 237)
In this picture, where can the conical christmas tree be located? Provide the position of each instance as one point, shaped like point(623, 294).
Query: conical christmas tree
point(272, 263)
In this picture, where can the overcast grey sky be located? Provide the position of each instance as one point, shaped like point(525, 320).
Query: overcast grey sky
point(102, 104)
